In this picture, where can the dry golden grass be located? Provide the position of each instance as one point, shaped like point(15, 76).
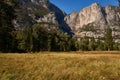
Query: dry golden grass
point(60, 66)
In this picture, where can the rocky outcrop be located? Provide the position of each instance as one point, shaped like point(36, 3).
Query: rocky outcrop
point(71, 20)
point(49, 18)
point(93, 20)
point(44, 3)
point(40, 11)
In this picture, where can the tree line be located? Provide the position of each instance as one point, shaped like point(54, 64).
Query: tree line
point(36, 38)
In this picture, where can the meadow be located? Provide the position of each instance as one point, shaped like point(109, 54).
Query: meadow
point(60, 66)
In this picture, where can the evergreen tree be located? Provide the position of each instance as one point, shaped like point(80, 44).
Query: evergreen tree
point(74, 44)
point(63, 40)
point(6, 26)
point(92, 45)
point(58, 40)
point(84, 42)
point(115, 46)
point(24, 38)
point(52, 40)
point(108, 39)
point(99, 45)
point(40, 38)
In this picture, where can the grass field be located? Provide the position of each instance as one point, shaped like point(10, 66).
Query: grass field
point(60, 66)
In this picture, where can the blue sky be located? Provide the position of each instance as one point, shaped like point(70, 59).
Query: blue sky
point(76, 5)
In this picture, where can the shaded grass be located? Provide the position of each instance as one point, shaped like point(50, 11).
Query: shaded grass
point(60, 66)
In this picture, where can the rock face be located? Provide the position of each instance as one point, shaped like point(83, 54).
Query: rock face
point(49, 18)
point(71, 20)
point(40, 11)
point(37, 2)
point(93, 20)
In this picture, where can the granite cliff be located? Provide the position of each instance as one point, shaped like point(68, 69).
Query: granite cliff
point(93, 20)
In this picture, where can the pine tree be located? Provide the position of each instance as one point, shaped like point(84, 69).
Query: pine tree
point(99, 45)
point(108, 39)
point(91, 45)
point(6, 26)
point(40, 38)
point(84, 44)
point(24, 38)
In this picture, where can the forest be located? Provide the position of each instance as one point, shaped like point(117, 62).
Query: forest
point(36, 37)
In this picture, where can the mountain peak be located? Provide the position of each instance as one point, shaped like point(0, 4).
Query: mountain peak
point(95, 4)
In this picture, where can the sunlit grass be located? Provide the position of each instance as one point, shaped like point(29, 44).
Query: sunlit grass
point(60, 66)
